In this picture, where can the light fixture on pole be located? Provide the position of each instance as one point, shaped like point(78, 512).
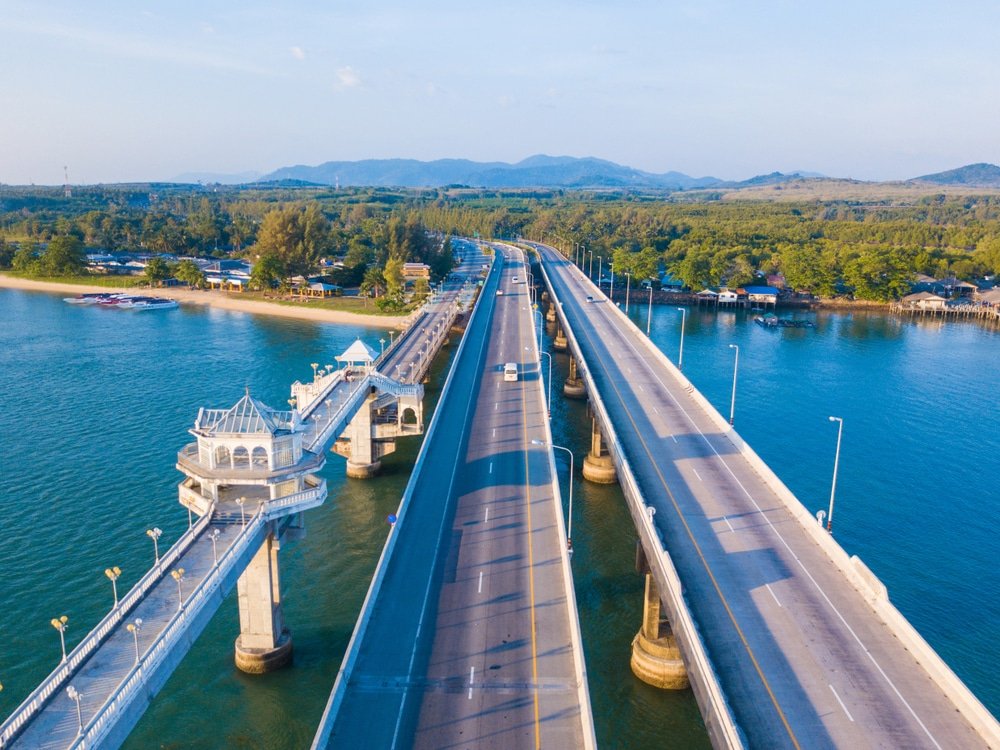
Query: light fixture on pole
point(314, 365)
point(836, 464)
point(243, 515)
point(134, 627)
point(649, 314)
point(59, 623)
point(736, 367)
point(600, 269)
point(611, 294)
point(113, 575)
point(155, 534)
point(680, 357)
point(214, 535)
point(382, 342)
point(569, 522)
point(548, 401)
point(628, 284)
point(76, 696)
point(178, 575)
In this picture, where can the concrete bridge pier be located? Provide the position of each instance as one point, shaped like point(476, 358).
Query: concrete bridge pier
point(550, 314)
point(656, 659)
point(264, 643)
point(559, 342)
point(574, 387)
point(597, 465)
point(364, 458)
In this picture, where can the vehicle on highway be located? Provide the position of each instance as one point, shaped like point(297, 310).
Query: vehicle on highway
point(499, 292)
point(589, 298)
point(510, 372)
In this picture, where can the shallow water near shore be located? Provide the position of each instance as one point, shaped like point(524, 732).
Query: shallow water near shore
point(94, 405)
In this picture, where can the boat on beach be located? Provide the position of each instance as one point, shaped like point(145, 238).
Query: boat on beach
point(772, 321)
point(123, 300)
point(88, 299)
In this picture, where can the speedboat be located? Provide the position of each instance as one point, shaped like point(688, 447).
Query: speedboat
point(88, 299)
point(153, 303)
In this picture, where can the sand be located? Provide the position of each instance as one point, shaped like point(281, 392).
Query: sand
point(222, 300)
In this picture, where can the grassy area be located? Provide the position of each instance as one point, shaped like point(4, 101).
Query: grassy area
point(112, 282)
point(358, 305)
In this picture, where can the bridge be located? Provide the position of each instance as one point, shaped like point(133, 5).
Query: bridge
point(248, 478)
point(787, 641)
point(468, 636)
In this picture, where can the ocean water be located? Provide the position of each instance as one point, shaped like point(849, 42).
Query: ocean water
point(94, 404)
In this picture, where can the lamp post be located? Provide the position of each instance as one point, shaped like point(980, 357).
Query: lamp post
point(569, 523)
point(243, 515)
point(113, 574)
point(628, 284)
point(382, 342)
point(590, 270)
point(600, 270)
point(59, 623)
point(540, 326)
point(76, 697)
point(736, 367)
point(155, 534)
point(836, 463)
point(391, 334)
point(548, 401)
point(611, 294)
point(649, 314)
point(178, 575)
point(134, 627)
point(680, 358)
point(314, 365)
point(214, 536)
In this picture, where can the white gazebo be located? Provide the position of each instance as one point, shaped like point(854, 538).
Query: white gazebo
point(358, 354)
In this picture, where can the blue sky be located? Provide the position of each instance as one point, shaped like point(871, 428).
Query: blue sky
point(141, 90)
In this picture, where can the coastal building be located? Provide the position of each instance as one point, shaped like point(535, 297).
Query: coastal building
point(924, 301)
point(762, 295)
point(414, 271)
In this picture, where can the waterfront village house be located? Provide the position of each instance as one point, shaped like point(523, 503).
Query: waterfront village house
point(925, 301)
point(729, 296)
point(762, 295)
point(989, 297)
point(414, 271)
point(707, 295)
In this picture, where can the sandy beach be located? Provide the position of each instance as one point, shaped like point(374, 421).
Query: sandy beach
point(222, 300)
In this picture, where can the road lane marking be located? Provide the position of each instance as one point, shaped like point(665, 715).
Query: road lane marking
point(487, 519)
point(674, 438)
point(834, 691)
point(472, 678)
point(696, 473)
point(494, 432)
point(726, 519)
point(640, 388)
point(774, 596)
point(655, 410)
point(496, 406)
point(480, 582)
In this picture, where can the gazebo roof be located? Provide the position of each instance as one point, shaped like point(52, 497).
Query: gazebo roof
point(359, 351)
point(247, 417)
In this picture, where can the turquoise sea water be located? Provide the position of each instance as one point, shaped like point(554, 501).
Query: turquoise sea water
point(95, 403)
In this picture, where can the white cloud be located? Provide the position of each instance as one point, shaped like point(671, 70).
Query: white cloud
point(348, 78)
point(298, 53)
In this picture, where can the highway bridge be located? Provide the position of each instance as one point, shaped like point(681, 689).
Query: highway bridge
point(468, 636)
point(788, 642)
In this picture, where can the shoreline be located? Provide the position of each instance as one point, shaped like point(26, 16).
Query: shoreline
point(219, 300)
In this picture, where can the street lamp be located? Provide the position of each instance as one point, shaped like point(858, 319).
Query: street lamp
point(155, 534)
point(134, 627)
point(113, 574)
point(243, 515)
point(548, 401)
point(736, 367)
point(540, 326)
point(382, 342)
point(178, 575)
point(214, 536)
point(600, 269)
point(611, 293)
point(680, 358)
point(590, 270)
point(76, 696)
point(836, 463)
point(569, 523)
point(649, 315)
point(59, 623)
point(314, 365)
point(628, 283)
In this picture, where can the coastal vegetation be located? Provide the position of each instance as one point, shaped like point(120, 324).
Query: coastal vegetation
point(869, 250)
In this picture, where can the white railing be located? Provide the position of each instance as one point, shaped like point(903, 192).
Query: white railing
point(296, 502)
point(315, 392)
point(34, 703)
point(101, 724)
point(719, 719)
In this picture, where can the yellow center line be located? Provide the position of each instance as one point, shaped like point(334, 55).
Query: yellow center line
point(690, 534)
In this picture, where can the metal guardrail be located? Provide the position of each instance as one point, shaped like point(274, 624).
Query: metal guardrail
point(40, 695)
point(719, 721)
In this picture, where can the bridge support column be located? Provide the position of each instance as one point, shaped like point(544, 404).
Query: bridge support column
point(574, 388)
point(559, 342)
point(597, 465)
point(550, 314)
point(364, 460)
point(656, 660)
point(264, 643)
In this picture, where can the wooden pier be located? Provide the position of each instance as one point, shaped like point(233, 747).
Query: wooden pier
point(986, 313)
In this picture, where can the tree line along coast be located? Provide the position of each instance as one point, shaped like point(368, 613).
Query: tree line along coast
point(357, 238)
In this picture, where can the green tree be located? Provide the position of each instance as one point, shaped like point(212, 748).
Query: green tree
point(64, 256)
point(157, 270)
point(188, 272)
point(267, 272)
point(6, 254)
point(25, 260)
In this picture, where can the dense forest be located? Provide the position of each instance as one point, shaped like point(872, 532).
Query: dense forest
point(871, 251)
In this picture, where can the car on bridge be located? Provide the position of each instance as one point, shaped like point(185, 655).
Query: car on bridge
point(510, 372)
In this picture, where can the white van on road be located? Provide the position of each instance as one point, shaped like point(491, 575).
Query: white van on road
point(510, 372)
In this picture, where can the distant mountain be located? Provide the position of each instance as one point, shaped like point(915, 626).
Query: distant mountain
point(535, 171)
point(971, 175)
